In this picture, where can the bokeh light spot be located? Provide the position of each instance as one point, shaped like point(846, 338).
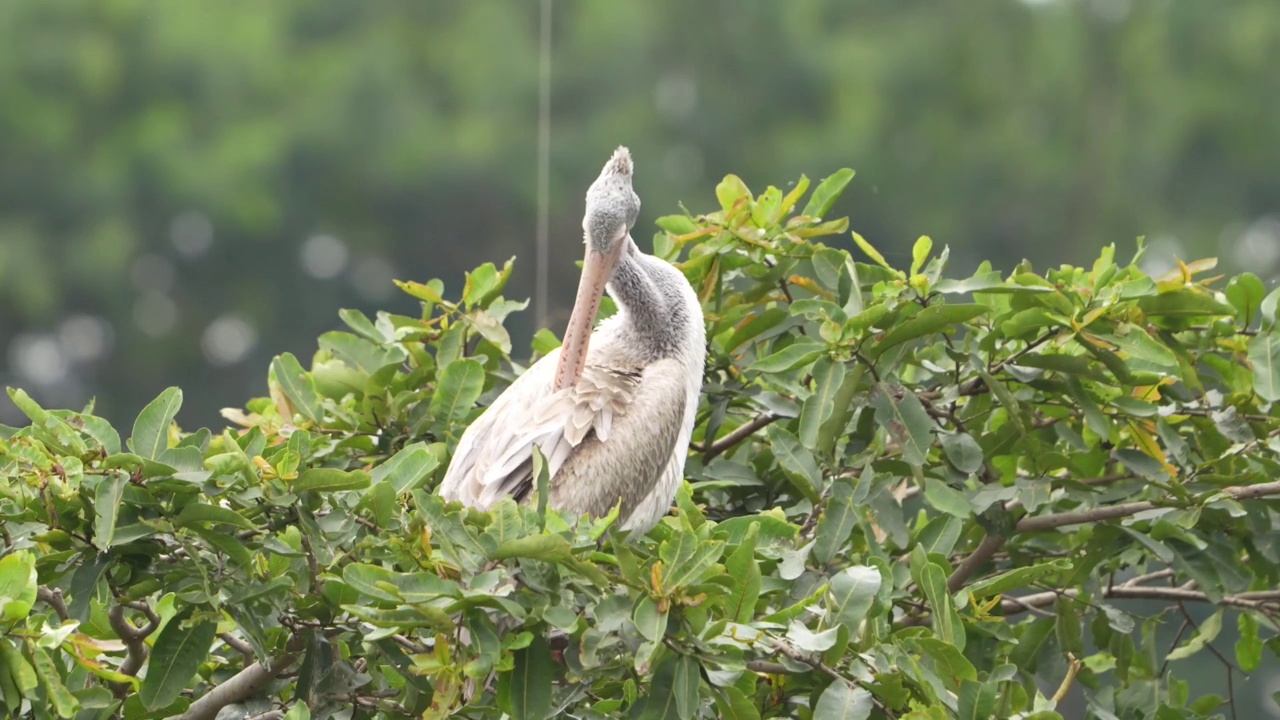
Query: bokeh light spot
point(324, 257)
point(228, 340)
point(191, 233)
point(154, 313)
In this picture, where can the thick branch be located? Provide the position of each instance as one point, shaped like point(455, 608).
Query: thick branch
point(1041, 523)
point(53, 598)
point(967, 567)
point(244, 684)
point(741, 433)
point(240, 646)
point(134, 638)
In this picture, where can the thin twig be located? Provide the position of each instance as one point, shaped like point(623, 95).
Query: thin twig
point(1148, 577)
point(742, 432)
point(1072, 669)
point(1040, 523)
point(816, 663)
point(1012, 606)
point(1230, 666)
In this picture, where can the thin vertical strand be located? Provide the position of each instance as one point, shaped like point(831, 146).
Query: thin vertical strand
point(544, 170)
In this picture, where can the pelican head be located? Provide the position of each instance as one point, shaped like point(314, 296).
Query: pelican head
point(612, 208)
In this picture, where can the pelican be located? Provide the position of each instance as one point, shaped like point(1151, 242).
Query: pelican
point(610, 410)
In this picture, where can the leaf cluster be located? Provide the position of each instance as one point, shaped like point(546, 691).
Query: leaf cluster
point(909, 496)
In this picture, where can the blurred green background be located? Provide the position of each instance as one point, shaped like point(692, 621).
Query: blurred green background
point(187, 189)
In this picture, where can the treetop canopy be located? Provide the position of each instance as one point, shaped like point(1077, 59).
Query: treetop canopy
point(909, 496)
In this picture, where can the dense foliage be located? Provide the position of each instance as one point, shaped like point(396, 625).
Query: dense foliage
point(909, 497)
point(161, 178)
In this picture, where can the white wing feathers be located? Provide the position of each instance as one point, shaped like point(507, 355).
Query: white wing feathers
point(494, 458)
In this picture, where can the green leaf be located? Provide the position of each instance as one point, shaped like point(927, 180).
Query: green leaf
point(151, 429)
point(372, 580)
point(15, 666)
point(1207, 633)
point(1143, 351)
point(851, 593)
point(872, 253)
point(946, 621)
point(828, 376)
point(528, 684)
point(946, 498)
point(361, 323)
point(828, 191)
point(1264, 356)
point(980, 282)
point(685, 687)
point(406, 469)
point(797, 354)
point(484, 283)
point(179, 650)
point(456, 391)
point(745, 572)
point(1183, 303)
point(297, 385)
point(962, 451)
point(730, 191)
point(106, 504)
point(544, 341)
point(431, 293)
point(836, 524)
point(1269, 309)
point(978, 700)
point(842, 701)
point(1017, 578)
point(906, 421)
point(650, 621)
point(797, 462)
point(686, 559)
point(920, 253)
point(28, 406)
point(64, 703)
point(1249, 645)
point(330, 480)
point(361, 353)
point(733, 704)
point(199, 513)
point(18, 586)
point(948, 661)
point(926, 322)
point(660, 702)
point(537, 547)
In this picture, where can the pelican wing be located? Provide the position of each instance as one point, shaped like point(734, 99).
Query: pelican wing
point(494, 458)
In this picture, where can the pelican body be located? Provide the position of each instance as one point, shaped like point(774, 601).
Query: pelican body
point(610, 410)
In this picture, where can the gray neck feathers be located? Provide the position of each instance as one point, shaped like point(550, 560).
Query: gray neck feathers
point(651, 294)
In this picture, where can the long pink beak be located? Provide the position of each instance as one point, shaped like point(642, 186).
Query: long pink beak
point(596, 271)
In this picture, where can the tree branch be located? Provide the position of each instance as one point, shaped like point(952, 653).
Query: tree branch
point(244, 684)
point(1255, 601)
point(742, 432)
point(53, 598)
point(240, 646)
point(787, 649)
point(967, 567)
point(1040, 523)
point(134, 639)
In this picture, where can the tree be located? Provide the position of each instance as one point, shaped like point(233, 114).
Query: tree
point(909, 497)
